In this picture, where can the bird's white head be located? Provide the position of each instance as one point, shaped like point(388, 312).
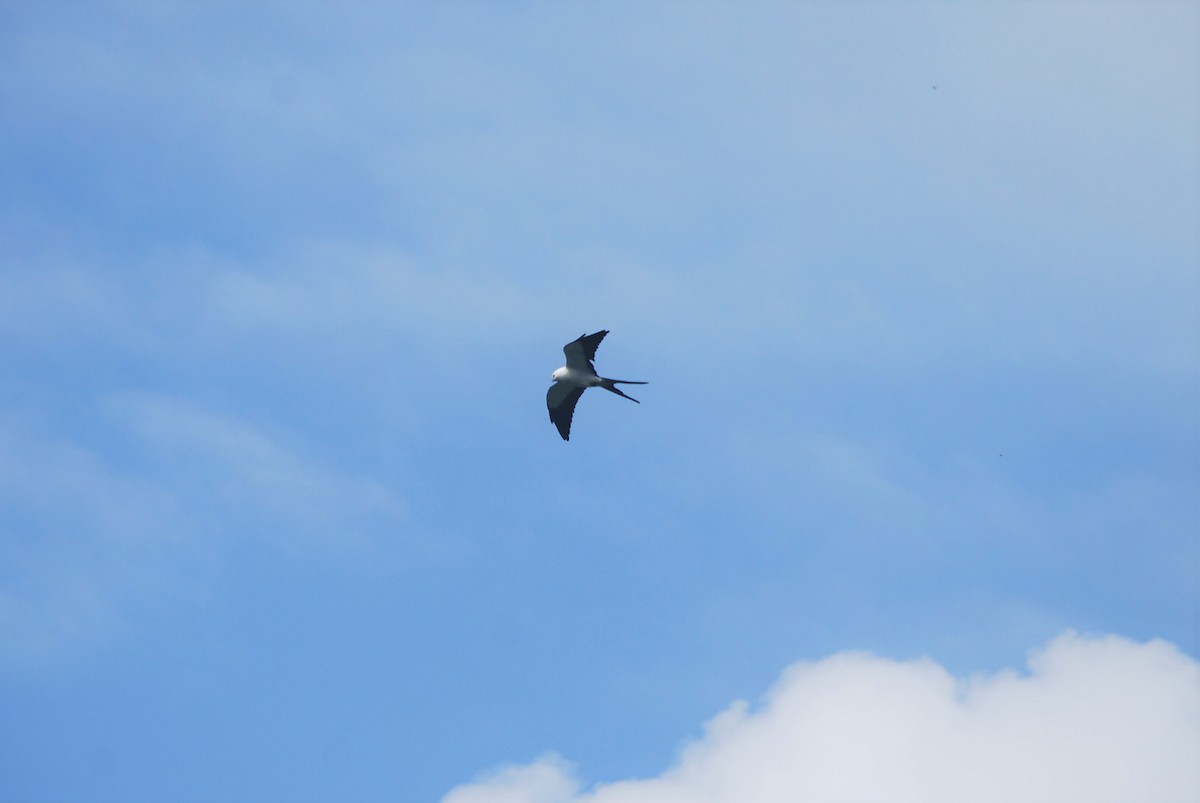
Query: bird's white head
point(559, 374)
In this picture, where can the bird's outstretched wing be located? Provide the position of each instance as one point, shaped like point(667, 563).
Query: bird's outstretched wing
point(581, 351)
point(560, 401)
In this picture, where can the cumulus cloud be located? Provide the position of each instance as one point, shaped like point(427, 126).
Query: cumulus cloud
point(1093, 720)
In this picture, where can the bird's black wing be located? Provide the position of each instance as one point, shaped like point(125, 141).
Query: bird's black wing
point(582, 350)
point(560, 401)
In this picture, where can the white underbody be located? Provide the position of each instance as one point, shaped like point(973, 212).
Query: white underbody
point(579, 379)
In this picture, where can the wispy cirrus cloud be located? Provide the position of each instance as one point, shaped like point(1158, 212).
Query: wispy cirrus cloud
point(247, 476)
point(94, 532)
point(83, 539)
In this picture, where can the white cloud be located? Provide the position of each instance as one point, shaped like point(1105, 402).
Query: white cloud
point(548, 780)
point(1093, 720)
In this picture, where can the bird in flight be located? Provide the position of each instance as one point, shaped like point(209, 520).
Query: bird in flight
point(575, 377)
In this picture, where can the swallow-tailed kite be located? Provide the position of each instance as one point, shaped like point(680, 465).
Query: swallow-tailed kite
point(575, 377)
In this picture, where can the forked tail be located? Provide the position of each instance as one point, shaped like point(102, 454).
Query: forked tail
point(611, 384)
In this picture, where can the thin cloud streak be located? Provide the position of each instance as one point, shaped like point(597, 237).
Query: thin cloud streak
point(90, 538)
point(105, 530)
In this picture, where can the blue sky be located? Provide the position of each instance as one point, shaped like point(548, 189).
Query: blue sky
point(281, 289)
